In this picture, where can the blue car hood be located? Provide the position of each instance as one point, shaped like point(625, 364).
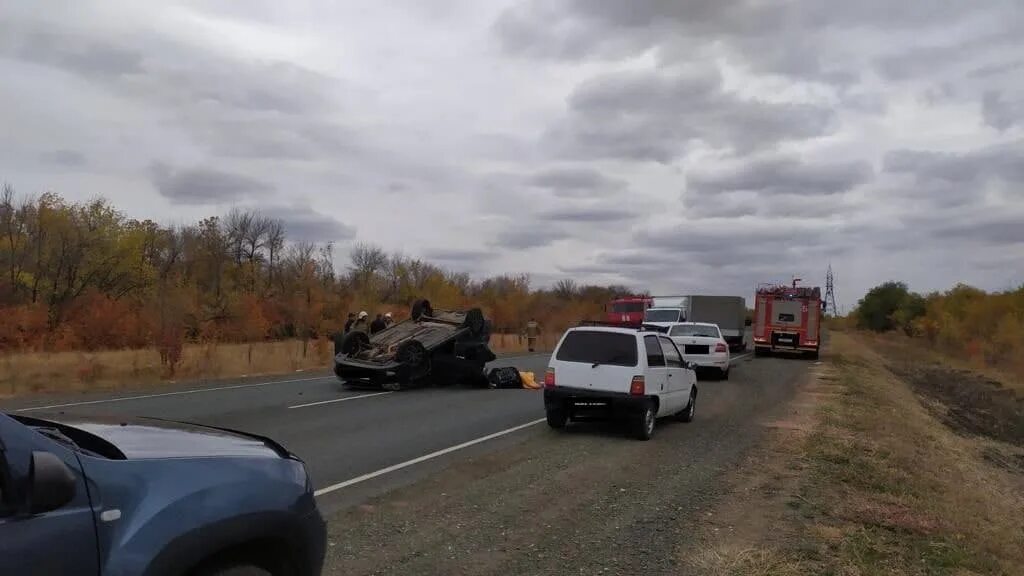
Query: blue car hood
point(157, 438)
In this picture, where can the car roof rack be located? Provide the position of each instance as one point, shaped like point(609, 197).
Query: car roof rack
point(641, 328)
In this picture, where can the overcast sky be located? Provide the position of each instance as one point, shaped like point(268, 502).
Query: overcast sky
point(675, 146)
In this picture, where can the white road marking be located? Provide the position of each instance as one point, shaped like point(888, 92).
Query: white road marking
point(424, 458)
point(740, 357)
point(345, 399)
point(179, 393)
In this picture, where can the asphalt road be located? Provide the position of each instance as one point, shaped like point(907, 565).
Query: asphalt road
point(341, 434)
point(586, 500)
point(470, 478)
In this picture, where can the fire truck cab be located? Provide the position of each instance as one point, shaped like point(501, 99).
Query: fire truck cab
point(628, 310)
point(787, 318)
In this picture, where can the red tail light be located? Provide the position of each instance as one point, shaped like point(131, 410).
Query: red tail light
point(721, 347)
point(636, 387)
point(549, 378)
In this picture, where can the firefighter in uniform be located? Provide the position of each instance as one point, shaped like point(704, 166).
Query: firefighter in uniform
point(532, 333)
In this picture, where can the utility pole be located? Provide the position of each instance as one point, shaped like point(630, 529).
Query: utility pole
point(830, 294)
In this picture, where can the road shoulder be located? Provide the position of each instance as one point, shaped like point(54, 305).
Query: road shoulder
point(869, 475)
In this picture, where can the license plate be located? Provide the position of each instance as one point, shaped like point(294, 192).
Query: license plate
point(590, 404)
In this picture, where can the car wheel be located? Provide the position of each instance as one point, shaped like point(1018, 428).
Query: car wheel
point(725, 374)
point(415, 361)
point(760, 351)
point(814, 355)
point(354, 342)
point(421, 308)
point(691, 409)
point(645, 421)
point(557, 418)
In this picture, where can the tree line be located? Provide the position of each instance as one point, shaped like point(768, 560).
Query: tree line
point(83, 275)
point(967, 321)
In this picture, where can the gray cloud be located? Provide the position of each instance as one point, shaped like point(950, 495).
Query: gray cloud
point(69, 51)
point(576, 182)
point(524, 238)
point(64, 158)
point(588, 214)
point(783, 175)
point(1004, 163)
point(457, 257)
point(736, 205)
point(304, 224)
point(205, 185)
point(242, 108)
point(654, 115)
point(1000, 113)
point(982, 225)
point(793, 38)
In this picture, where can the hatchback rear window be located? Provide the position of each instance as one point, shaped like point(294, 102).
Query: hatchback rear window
point(592, 347)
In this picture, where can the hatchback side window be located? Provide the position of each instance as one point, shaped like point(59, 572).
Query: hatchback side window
point(655, 357)
point(672, 357)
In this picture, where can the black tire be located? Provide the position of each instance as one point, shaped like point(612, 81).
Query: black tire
point(236, 570)
point(475, 322)
point(557, 418)
point(415, 361)
point(813, 355)
point(690, 411)
point(643, 426)
point(760, 352)
point(354, 342)
point(421, 308)
point(412, 353)
point(724, 375)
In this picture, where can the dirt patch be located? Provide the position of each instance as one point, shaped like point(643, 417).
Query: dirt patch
point(967, 402)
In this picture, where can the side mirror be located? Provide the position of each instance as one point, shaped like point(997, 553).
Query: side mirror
point(51, 483)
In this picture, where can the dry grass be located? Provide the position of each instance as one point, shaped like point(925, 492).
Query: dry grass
point(732, 561)
point(915, 350)
point(901, 492)
point(34, 372)
point(879, 485)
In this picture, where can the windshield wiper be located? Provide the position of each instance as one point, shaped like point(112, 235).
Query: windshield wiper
point(59, 436)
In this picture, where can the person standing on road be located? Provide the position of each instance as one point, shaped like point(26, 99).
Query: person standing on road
point(532, 333)
point(362, 323)
point(377, 325)
point(388, 320)
point(348, 323)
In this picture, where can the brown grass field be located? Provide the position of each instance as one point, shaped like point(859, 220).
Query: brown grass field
point(37, 372)
point(885, 465)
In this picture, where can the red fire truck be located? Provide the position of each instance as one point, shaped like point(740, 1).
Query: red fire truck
point(628, 310)
point(787, 318)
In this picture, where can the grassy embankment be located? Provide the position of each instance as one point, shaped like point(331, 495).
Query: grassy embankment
point(33, 372)
point(892, 461)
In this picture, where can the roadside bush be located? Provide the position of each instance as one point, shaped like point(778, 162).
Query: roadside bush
point(889, 306)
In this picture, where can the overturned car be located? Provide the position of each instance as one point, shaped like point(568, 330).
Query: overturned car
point(432, 347)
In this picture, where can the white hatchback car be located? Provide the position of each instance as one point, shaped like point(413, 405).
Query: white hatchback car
point(703, 345)
point(605, 372)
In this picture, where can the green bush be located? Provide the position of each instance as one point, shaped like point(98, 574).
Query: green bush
point(889, 306)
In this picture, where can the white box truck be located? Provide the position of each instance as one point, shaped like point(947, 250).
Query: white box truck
point(728, 312)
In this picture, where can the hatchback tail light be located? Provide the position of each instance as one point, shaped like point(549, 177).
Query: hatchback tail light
point(721, 347)
point(549, 378)
point(636, 387)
